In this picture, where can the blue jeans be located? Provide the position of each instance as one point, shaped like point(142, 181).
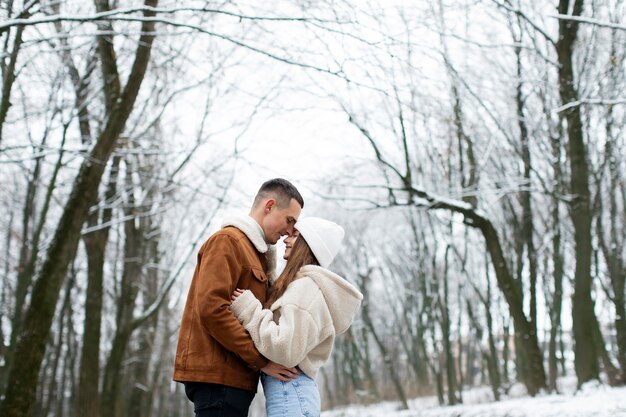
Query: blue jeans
point(214, 400)
point(298, 398)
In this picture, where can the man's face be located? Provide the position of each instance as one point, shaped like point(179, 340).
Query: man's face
point(278, 222)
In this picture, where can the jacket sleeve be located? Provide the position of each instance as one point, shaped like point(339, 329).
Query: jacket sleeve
point(219, 273)
point(287, 342)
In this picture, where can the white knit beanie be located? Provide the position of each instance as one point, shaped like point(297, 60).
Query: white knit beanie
point(323, 236)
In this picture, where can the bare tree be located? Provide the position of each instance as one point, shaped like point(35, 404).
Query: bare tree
point(31, 345)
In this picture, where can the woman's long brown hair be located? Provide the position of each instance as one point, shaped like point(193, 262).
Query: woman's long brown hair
point(301, 255)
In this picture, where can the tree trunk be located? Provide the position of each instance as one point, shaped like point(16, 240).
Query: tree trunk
point(555, 305)
point(9, 78)
point(3, 294)
point(557, 296)
point(536, 379)
point(340, 389)
point(88, 395)
point(29, 251)
point(435, 363)
point(492, 358)
point(506, 335)
point(328, 391)
point(140, 398)
point(461, 348)
point(56, 357)
point(525, 196)
point(26, 262)
point(445, 331)
point(612, 373)
point(352, 359)
point(367, 367)
point(583, 316)
point(387, 360)
point(491, 365)
point(612, 245)
point(124, 326)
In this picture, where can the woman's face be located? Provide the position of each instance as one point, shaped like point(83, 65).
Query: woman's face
point(289, 241)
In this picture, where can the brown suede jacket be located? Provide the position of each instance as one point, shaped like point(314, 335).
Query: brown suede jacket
point(213, 346)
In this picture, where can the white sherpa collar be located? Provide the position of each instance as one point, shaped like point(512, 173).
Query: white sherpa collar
point(271, 263)
point(253, 231)
point(250, 228)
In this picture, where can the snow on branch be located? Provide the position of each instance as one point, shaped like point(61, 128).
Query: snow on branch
point(431, 201)
point(577, 103)
point(589, 21)
point(418, 198)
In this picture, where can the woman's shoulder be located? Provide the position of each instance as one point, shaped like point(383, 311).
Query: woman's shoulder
point(303, 283)
point(301, 292)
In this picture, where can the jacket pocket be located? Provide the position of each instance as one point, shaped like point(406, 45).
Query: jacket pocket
point(259, 274)
point(258, 283)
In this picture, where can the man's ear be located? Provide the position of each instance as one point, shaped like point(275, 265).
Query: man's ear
point(269, 204)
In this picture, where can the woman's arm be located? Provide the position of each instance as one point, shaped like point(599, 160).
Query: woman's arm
point(286, 342)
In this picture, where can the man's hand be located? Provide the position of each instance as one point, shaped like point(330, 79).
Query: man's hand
point(280, 372)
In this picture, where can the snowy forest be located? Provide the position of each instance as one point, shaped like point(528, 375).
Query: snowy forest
point(473, 150)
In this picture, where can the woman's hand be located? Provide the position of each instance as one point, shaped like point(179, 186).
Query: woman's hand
point(236, 294)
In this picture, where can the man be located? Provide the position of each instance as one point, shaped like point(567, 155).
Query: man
point(216, 358)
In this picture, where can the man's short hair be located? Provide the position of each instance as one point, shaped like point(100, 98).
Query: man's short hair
point(280, 189)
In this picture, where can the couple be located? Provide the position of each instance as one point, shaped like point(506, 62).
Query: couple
point(239, 321)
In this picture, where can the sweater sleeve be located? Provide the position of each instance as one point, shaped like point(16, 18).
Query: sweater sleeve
point(287, 342)
point(219, 271)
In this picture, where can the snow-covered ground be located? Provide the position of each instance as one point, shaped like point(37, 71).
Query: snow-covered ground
point(593, 399)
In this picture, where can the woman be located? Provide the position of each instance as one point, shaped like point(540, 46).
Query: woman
point(307, 307)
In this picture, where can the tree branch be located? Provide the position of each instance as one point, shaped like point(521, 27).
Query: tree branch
point(589, 20)
point(115, 15)
point(524, 16)
point(580, 102)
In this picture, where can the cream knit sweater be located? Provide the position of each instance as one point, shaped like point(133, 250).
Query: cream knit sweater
point(300, 327)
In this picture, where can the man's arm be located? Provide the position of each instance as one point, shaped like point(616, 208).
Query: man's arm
point(220, 269)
